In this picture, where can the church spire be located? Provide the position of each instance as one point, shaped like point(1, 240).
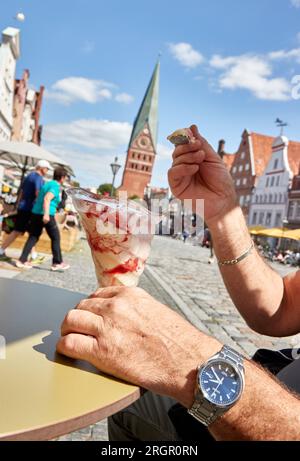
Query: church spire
point(148, 113)
point(142, 145)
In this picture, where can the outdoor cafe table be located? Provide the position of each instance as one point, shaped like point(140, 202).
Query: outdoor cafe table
point(44, 394)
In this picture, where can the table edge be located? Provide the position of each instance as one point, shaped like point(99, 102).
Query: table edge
point(70, 425)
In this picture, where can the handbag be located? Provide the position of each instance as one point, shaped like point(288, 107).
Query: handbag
point(9, 223)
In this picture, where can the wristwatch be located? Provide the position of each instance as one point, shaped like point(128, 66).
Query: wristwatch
point(220, 384)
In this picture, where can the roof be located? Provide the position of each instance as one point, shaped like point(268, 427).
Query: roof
point(228, 159)
point(148, 112)
point(262, 151)
point(294, 156)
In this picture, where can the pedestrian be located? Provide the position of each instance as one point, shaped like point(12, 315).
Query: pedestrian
point(43, 216)
point(207, 241)
point(29, 192)
point(198, 388)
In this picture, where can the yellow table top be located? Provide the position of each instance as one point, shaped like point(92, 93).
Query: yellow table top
point(43, 394)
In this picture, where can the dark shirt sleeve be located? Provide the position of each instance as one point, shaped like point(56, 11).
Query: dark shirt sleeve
point(38, 184)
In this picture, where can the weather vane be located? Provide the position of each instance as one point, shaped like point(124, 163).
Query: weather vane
point(281, 125)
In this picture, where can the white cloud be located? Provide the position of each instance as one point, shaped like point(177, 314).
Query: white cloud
point(185, 54)
point(164, 151)
point(91, 168)
point(283, 54)
point(124, 98)
point(253, 73)
point(94, 134)
point(295, 3)
point(74, 89)
point(89, 146)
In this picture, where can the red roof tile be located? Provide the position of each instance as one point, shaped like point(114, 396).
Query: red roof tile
point(228, 159)
point(262, 151)
point(294, 156)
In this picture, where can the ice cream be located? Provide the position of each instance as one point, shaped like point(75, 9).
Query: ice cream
point(182, 136)
point(119, 236)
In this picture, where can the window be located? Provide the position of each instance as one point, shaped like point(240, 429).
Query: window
point(265, 198)
point(275, 198)
point(276, 164)
point(254, 218)
point(261, 218)
point(256, 199)
point(270, 198)
point(261, 198)
point(242, 199)
point(298, 209)
point(241, 168)
point(234, 169)
point(247, 167)
point(272, 181)
point(280, 198)
point(133, 155)
point(248, 198)
point(278, 220)
point(268, 219)
point(139, 156)
point(292, 209)
point(243, 155)
point(277, 180)
point(238, 182)
point(267, 183)
point(145, 157)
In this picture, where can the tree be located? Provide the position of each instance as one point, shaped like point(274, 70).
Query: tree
point(106, 188)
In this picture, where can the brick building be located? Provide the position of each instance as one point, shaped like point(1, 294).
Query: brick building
point(26, 111)
point(248, 164)
point(142, 145)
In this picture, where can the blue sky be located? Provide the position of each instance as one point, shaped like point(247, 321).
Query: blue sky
point(225, 65)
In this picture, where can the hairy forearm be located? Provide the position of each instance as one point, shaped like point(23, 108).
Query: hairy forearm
point(256, 290)
point(255, 417)
point(264, 401)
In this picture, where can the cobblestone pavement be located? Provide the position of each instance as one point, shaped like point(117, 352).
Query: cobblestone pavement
point(178, 275)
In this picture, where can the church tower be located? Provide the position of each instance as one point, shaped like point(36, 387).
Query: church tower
point(142, 145)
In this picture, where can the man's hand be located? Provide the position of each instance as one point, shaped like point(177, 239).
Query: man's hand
point(126, 333)
point(199, 173)
point(46, 218)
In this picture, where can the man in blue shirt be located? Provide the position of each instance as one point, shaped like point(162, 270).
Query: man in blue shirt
point(29, 192)
point(43, 215)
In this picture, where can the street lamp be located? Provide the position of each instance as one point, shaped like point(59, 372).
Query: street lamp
point(114, 168)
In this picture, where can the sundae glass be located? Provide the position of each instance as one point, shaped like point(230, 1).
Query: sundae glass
point(119, 234)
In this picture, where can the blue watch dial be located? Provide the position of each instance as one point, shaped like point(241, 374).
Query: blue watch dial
point(220, 383)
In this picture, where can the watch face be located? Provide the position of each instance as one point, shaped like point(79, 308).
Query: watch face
point(220, 383)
